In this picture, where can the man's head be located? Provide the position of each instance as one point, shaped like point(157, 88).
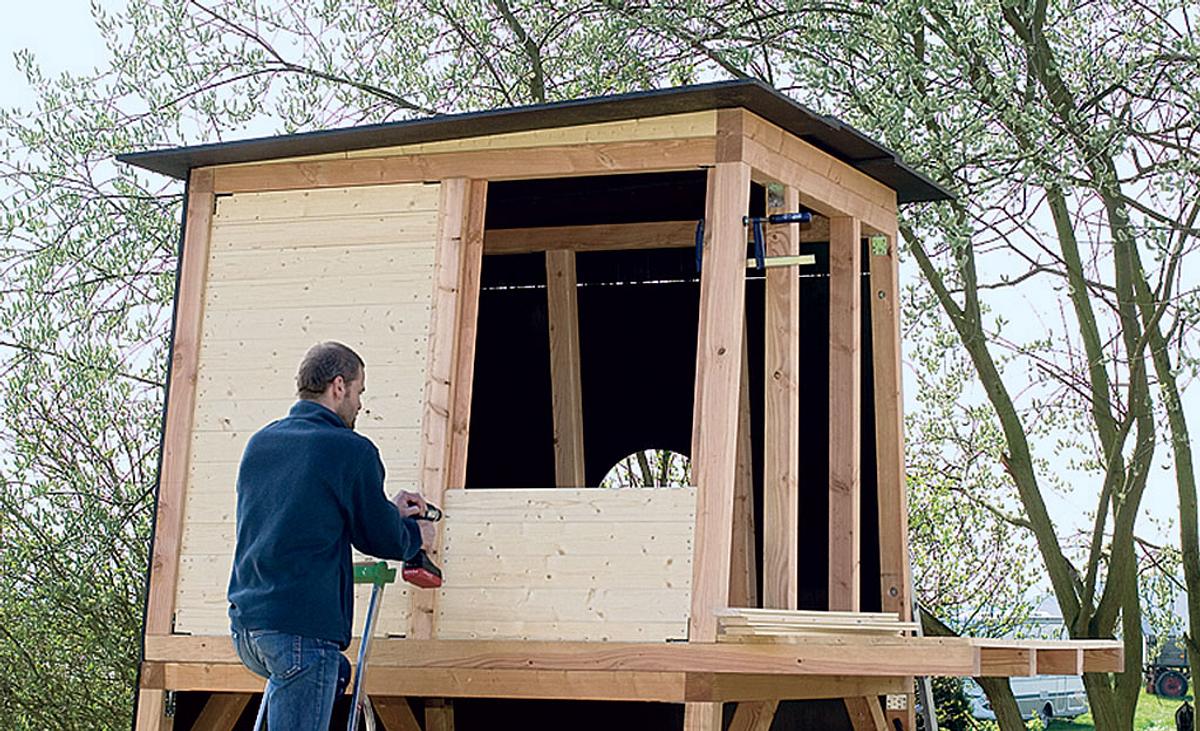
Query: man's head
point(335, 377)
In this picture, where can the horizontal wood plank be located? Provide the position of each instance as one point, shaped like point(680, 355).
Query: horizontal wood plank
point(554, 161)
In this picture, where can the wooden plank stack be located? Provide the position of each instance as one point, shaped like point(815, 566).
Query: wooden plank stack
point(783, 625)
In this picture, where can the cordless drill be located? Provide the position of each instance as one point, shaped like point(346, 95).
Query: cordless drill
point(420, 570)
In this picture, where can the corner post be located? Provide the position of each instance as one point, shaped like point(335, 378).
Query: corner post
point(845, 411)
point(177, 427)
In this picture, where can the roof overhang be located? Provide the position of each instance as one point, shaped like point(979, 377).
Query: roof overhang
point(824, 132)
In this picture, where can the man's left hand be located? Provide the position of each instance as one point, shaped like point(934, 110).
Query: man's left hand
point(410, 503)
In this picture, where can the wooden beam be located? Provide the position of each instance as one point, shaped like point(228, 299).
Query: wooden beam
point(743, 579)
point(607, 237)
point(1060, 662)
point(150, 710)
point(827, 185)
point(458, 197)
point(728, 687)
point(619, 236)
point(221, 711)
point(754, 716)
point(180, 408)
point(439, 715)
point(180, 403)
point(845, 394)
point(781, 445)
point(1007, 661)
point(566, 386)
point(866, 714)
point(718, 377)
point(395, 713)
point(543, 162)
point(464, 349)
point(895, 574)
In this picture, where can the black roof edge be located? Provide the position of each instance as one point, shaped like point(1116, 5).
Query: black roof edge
point(825, 132)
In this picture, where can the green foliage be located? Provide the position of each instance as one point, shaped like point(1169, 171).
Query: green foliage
point(1067, 129)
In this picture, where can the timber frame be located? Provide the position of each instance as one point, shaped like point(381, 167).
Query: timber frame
point(737, 147)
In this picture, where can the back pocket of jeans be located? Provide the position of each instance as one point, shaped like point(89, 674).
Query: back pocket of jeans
point(281, 653)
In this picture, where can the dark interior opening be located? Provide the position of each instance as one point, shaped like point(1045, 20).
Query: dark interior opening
point(638, 317)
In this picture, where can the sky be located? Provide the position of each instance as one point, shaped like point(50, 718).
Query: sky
point(63, 37)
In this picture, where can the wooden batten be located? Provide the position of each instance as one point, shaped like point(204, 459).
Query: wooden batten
point(895, 574)
point(458, 247)
point(177, 427)
point(464, 347)
point(781, 435)
point(181, 403)
point(845, 394)
point(566, 386)
point(743, 571)
point(717, 400)
point(546, 162)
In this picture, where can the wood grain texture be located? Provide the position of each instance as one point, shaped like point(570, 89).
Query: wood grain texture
point(717, 400)
point(395, 713)
point(150, 715)
point(545, 162)
point(754, 716)
point(845, 395)
point(221, 711)
point(566, 385)
point(565, 564)
point(279, 271)
point(619, 236)
point(866, 714)
point(455, 219)
point(781, 433)
point(464, 349)
point(439, 715)
point(743, 569)
point(181, 404)
point(895, 575)
point(827, 185)
point(607, 237)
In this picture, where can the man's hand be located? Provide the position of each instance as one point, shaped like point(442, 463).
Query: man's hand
point(428, 533)
point(410, 503)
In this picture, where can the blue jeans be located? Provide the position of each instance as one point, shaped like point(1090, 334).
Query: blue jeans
point(304, 676)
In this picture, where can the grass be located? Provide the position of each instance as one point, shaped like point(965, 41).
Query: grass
point(1153, 714)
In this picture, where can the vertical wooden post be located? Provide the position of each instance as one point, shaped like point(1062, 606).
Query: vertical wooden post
point(464, 347)
point(566, 385)
point(781, 448)
point(894, 572)
point(715, 416)
point(743, 578)
point(457, 258)
point(845, 339)
point(177, 427)
point(895, 576)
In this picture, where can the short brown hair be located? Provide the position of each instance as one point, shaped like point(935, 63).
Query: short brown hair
point(322, 363)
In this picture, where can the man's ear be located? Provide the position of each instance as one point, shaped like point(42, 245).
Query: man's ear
point(338, 386)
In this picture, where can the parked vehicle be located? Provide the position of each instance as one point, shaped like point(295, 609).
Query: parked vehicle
point(1044, 696)
point(1166, 667)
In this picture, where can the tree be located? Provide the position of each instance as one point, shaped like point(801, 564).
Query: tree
point(1080, 115)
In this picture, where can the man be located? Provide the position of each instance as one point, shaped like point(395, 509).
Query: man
point(308, 488)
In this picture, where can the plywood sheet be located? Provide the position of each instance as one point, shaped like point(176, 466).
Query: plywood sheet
point(287, 270)
point(567, 564)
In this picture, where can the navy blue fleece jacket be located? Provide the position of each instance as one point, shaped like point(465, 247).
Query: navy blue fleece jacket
point(308, 488)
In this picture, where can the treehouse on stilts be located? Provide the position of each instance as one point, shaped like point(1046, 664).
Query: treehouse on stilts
point(539, 293)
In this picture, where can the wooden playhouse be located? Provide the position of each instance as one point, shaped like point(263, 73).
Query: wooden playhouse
point(539, 293)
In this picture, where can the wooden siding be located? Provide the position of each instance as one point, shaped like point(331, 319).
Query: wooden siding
point(285, 271)
point(567, 564)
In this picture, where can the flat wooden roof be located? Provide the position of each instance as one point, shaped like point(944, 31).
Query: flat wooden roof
point(827, 133)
